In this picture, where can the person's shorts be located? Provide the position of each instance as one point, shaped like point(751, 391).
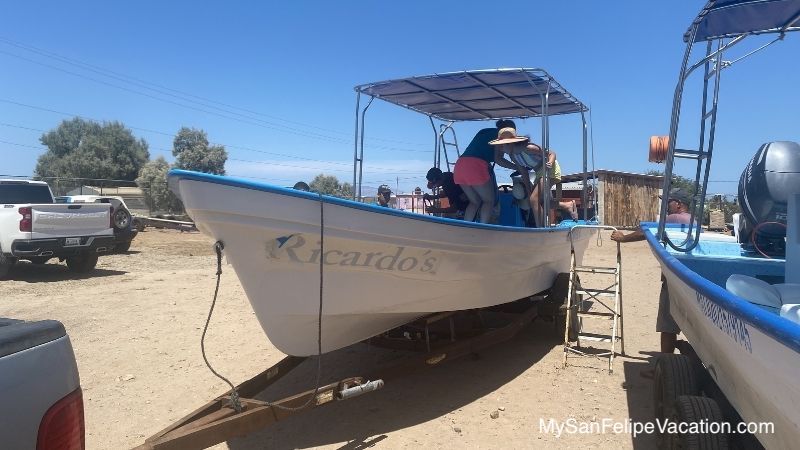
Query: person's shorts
point(664, 321)
point(471, 171)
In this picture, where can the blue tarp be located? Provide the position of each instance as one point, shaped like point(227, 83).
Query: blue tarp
point(730, 18)
point(478, 94)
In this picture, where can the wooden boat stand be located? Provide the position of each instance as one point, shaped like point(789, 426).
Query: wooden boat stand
point(217, 421)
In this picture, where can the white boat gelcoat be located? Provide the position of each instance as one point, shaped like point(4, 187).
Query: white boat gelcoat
point(754, 365)
point(382, 268)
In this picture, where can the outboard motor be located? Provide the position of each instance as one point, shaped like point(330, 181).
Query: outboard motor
point(764, 188)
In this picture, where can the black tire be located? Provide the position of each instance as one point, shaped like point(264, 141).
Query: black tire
point(138, 224)
point(574, 324)
point(82, 263)
point(122, 219)
point(5, 267)
point(560, 289)
point(123, 247)
point(673, 377)
point(691, 409)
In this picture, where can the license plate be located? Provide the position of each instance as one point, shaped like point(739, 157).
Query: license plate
point(71, 242)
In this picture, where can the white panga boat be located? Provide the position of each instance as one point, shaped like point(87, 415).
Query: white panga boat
point(736, 299)
point(378, 268)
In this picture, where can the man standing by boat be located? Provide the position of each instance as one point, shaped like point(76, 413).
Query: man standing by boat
point(678, 212)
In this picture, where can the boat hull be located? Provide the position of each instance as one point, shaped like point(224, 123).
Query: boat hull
point(753, 355)
point(374, 268)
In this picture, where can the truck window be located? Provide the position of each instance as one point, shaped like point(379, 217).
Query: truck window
point(17, 193)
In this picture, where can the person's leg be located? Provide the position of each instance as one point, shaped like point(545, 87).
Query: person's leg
point(665, 324)
point(570, 208)
point(474, 202)
point(486, 192)
point(668, 341)
point(536, 207)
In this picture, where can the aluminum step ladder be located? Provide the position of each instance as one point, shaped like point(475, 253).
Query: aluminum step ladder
point(606, 305)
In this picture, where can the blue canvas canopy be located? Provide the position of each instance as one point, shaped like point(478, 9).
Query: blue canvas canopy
point(730, 18)
point(478, 94)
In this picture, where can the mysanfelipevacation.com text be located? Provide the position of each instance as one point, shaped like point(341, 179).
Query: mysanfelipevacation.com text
point(663, 426)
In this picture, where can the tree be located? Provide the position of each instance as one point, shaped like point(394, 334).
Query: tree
point(85, 149)
point(153, 182)
point(192, 152)
point(677, 181)
point(329, 185)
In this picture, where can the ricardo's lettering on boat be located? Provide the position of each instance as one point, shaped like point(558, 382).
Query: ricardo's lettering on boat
point(295, 248)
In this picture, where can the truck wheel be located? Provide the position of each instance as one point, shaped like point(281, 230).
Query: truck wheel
point(82, 263)
point(692, 410)
point(122, 219)
point(123, 247)
point(138, 224)
point(673, 377)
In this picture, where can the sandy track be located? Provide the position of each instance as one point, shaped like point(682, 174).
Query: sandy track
point(136, 323)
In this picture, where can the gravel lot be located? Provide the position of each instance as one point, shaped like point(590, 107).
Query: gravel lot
point(136, 322)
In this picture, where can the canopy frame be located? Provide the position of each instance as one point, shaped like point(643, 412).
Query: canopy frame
point(473, 95)
point(777, 16)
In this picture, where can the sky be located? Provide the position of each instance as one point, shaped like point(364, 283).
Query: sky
point(273, 82)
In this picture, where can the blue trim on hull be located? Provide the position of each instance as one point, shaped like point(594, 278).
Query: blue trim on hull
point(176, 174)
point(782, 330)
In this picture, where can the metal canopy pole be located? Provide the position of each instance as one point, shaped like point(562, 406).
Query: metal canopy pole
point(359, 162)
point(437, 155)
point(545, 186)
point(356, 159)
point(585, 166)
point(673, 133)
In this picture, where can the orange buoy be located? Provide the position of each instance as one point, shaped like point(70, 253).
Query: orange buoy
point(659, 145)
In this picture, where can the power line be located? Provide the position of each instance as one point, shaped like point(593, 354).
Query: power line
point(172, 134)
point(247, 119)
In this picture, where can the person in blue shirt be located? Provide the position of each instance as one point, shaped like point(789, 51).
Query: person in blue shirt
point(474, 173)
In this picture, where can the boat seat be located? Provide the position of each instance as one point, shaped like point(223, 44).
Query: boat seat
point(791, 311)
point(759, 292)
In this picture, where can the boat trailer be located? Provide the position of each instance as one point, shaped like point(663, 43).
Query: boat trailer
point(438, 338)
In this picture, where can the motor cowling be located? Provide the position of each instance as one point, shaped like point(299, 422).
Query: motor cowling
point(764, 188)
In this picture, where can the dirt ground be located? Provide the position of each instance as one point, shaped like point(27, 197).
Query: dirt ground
point(136, 323)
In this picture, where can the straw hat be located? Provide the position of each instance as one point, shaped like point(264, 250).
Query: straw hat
point(508, 136)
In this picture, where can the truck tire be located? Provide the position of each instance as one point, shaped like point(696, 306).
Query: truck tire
point(123, 247)
point(673, 377)
point(138, 224)
point(82, 263)
point(122, 219)
point(692, 409)
point(5, 264)
point(4, 268)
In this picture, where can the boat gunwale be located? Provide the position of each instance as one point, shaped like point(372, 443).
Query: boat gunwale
point(175, 175)
point(779, 328)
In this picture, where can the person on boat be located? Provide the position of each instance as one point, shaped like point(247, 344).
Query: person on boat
point(302, 186)
point(677, 212)
point(475, 174)
point(384, 195)
point(526, 158)
point(449, 189)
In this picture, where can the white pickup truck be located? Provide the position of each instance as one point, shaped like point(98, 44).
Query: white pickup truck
point(34, 228)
